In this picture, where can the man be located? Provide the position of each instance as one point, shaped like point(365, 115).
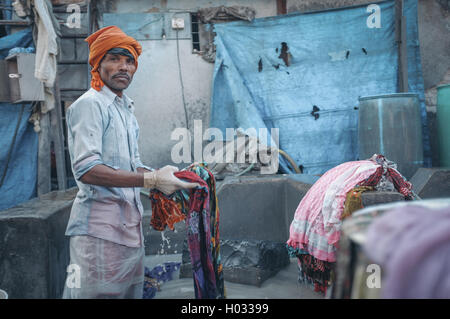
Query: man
point(105, 225)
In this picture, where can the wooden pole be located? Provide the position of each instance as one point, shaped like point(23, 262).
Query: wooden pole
point(44, 161)
point(404, 56)
point(400, 35)
point(58, 138)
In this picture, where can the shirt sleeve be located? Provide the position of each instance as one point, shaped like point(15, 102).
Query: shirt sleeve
point(137, 158)
point(85, 126)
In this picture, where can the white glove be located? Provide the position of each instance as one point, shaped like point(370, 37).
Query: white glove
point(164, 180)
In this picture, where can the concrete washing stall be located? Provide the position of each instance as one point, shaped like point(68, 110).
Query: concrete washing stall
point(34, 252)
point(255, 215)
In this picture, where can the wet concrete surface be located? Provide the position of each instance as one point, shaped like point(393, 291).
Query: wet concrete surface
point(283, 285)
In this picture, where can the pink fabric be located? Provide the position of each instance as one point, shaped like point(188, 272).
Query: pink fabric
point(315, 228)
point(412, 245)
point(116, 221)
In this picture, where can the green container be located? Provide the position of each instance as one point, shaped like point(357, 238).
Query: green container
point(443, 124)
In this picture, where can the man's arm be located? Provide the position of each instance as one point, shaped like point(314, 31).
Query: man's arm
point(162, 179)
point(143, 170)
point(103, 175)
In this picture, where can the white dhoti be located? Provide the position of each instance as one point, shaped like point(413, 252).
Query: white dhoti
point(103, 269)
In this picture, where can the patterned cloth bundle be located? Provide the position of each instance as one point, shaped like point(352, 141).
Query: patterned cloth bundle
point(199, 207)
point(315, 229)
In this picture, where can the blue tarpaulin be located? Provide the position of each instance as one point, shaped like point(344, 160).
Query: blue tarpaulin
point(19, 181)
point(22, 39)
point(303, 74)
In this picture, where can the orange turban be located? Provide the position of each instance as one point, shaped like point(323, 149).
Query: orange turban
point(103, 40)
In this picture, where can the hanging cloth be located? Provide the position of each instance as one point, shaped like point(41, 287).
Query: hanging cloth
point(200, 210)
point(316, 228)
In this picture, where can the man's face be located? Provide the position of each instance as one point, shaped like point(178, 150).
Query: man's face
point(117, 71)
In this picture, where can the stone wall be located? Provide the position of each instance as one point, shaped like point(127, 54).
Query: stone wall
point(34, 251)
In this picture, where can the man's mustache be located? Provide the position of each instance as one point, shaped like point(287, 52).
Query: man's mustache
point(121, 74)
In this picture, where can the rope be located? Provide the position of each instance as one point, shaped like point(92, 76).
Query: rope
point(182, 89)
point(290, 160)
point(245, 170)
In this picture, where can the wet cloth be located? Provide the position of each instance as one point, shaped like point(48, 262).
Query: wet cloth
point(46, 51)
point(317, 220)
point(46, 46)
point(158, 275)
point(315, 230)
point(103, 40)
point(314, 272)
point(387, 177)
point(412, 246)
point(200, 209)
point(315, 227)
point(105, 269)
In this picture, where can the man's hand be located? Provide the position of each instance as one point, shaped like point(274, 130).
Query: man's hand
point(164, 180)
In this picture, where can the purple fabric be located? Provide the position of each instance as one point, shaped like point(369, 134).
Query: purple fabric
point(412, 246)
point(160, 274)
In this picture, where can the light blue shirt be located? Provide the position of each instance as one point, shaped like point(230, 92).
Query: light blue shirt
point(102, 129)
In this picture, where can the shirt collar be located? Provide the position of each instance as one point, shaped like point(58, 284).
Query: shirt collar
point(111, 96)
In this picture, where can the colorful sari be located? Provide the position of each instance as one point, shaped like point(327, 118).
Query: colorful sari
point(315, 229)
point(199, 207)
